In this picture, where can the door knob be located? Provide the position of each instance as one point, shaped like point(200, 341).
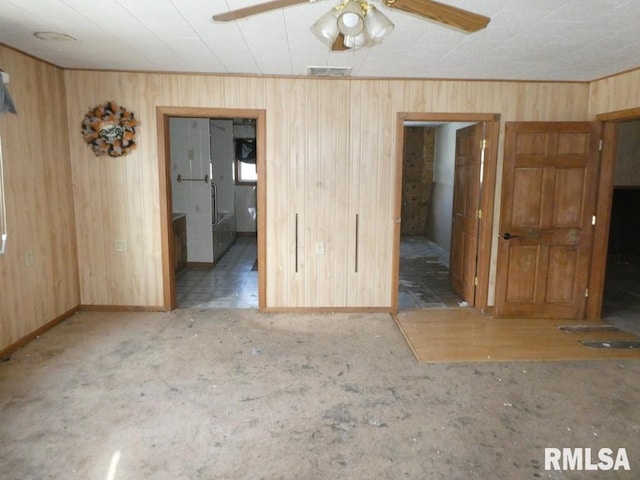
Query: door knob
point(508, 236)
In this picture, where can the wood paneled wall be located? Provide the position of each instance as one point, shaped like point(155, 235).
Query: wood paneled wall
point(39, 201)
point(618, 92)
point(330, 156)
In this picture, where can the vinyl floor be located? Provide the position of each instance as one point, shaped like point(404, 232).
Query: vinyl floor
point(231, 283)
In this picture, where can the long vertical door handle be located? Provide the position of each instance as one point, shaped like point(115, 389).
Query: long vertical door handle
point(357, 241)
point(296, 234)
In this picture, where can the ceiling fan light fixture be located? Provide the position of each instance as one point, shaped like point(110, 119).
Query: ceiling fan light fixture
point(352, 24)
point(377, 24)
point(351, 18)
point(326, 27)
point(357, 41)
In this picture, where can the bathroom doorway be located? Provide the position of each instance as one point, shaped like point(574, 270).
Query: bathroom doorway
point(213, 160)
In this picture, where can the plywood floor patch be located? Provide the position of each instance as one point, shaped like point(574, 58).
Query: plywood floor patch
point(466, 335)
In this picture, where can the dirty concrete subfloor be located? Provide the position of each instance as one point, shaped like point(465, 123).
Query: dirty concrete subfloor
point(239, 394)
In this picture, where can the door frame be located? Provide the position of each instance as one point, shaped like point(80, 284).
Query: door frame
point(165, 199)
point(492, 121)
point(603, 209)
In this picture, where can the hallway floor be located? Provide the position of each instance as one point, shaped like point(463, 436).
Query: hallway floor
point(424, 275)
point(232, 283)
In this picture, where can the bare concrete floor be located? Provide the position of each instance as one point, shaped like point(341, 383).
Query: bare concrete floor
point(238, 394)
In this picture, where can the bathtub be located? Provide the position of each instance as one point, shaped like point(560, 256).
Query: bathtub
point(224, 234)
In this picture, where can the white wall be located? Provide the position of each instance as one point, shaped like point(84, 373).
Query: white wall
point(190, 158)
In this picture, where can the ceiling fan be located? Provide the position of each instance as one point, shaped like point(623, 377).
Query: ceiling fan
point(344, 26)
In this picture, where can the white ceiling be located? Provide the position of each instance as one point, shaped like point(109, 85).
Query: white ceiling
point(527, 39)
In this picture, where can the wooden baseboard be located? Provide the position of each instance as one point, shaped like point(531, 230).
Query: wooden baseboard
point(8, 351)
point(120, 308)
point(328, 310)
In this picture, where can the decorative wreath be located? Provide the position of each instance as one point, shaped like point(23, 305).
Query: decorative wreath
point(110, 130)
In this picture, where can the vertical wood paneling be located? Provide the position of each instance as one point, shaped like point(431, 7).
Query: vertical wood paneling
point(619, 92)
point(297, 129)
point(134, 230)
point(39, 201)
point(337, 214)
point(149, 94)
point(330, 154)
point(370, 204)
point(330, 150)
point(280, 210)
point(308, 226)
point(356, 190)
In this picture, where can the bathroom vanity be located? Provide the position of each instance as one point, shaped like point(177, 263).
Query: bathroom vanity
point(224, 234)
point(179, 241)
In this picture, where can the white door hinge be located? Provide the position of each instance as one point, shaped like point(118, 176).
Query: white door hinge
point(600, 145)
point(593, 219)
point(480, 214)
point(586, 292)
point(475, 282)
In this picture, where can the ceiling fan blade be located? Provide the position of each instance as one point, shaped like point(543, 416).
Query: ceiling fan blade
point(338, 45)
point(254, 10)
point(453, 16)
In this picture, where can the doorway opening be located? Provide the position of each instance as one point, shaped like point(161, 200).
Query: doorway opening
point(214, 207)
point(213, 200)
point(621, 296)
point(432, 157)
point(426, 215)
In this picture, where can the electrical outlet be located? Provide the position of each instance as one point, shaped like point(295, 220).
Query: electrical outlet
point(121, 245)
point(28, 258)
point(319, 248)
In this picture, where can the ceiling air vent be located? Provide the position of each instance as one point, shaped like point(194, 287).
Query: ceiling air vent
point(328, 71)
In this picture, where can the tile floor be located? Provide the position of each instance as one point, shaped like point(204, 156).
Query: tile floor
point(424, 275)
point(232, 283)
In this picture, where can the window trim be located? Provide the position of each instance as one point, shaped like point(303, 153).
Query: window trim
point(3, 207)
